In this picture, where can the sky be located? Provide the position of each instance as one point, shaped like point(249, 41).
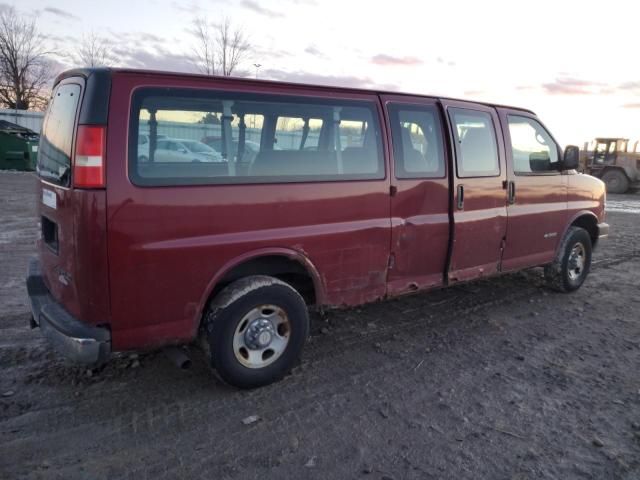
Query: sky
point(574, 63)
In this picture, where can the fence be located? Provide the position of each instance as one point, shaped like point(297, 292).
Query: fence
point(197, 131)
point(24, 118)
point(191, 131)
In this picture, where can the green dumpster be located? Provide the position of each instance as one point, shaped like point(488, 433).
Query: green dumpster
point(18, 147)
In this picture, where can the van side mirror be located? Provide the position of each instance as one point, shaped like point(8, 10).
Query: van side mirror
point(571, 158)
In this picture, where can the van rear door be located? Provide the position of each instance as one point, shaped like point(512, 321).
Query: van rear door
point(72, 247)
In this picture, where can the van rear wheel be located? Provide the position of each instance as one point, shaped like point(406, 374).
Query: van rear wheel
point(255, 330)
point(573, 261)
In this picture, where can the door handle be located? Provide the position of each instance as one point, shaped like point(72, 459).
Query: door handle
point(460, 197)
point(511, 192)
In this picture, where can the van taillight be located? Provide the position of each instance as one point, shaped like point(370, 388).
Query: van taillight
point(88, 167)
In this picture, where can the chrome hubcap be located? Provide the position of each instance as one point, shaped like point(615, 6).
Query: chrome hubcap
point(261, 336)
point(577, 260)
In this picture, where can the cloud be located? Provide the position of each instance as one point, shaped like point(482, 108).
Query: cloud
point(443, 61)
point(633, 86)
point(389, 60)
point(139, 39)
point(574, 86)
point(315, 51)
point(58, 12)
point(187, 7)
point(159, 59)
point(259, 9)
point(349, 81)
point(62, 39)
point(150, 37)
point(260, 53)
point(631, 105)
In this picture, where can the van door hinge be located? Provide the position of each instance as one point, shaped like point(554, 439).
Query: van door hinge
point(393, 190)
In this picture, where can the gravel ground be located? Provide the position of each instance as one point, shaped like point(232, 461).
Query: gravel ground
point(496, 379)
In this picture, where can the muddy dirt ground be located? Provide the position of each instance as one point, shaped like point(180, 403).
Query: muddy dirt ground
point(497, 379)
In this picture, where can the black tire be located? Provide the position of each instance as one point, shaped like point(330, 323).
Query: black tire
point(223, 317)
point(616, 181)
point(563, 274)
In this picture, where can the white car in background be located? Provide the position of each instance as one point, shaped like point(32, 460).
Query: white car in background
point(183, 150)
point(143, 145)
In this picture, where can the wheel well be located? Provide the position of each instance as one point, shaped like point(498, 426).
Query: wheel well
point(280, 267)
point(590, 224)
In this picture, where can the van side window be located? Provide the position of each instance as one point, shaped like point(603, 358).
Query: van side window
point(297, 133)
point(354, 132)
point(208, 137)
point(533, 149)
point(475, 139)
point(417, 141)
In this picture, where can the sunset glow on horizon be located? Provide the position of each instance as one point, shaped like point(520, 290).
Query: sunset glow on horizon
point(567, 61)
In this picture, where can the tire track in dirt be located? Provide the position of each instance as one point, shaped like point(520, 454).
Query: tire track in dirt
point(428, 391)
point(168, 418)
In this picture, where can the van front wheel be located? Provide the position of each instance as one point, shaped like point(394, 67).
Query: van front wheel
point(573, 261)
point(255, 330)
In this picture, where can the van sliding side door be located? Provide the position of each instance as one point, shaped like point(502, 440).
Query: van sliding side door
point(419, 193)
point(479, 190)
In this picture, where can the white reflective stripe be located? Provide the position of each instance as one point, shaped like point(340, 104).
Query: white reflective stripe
point(88, 161)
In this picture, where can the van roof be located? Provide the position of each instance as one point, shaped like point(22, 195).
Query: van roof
point(106, 72)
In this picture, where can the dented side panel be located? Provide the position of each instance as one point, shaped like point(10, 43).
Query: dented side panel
point(419, 208)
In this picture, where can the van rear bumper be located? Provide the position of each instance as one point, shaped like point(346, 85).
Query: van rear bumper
point(79, 342)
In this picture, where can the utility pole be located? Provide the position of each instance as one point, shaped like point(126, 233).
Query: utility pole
point(257, 65)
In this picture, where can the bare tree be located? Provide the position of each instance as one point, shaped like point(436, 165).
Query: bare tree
point(24, 67)
point(93, 51)
point(205, 47)
point(220, 47)
point(233, 46)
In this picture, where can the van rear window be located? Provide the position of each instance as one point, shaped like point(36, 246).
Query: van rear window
point(187, 137)
point(54, 152)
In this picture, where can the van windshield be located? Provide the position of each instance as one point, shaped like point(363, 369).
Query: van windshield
point(54, 152)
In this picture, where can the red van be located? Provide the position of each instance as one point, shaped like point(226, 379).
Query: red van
point(317, 196)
